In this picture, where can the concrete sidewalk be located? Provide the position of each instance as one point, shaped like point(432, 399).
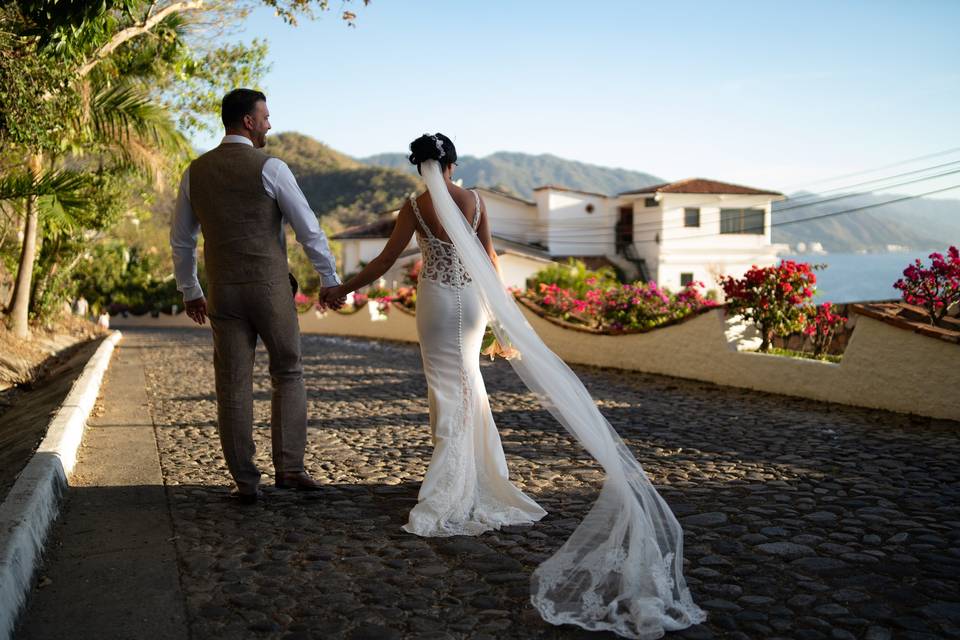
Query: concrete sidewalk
point(111, 567)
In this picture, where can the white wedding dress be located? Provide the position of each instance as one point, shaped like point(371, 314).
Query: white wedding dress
point(621, 569)
point(466, 490)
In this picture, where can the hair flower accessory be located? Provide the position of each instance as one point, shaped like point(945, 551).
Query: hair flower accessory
point(439, 143)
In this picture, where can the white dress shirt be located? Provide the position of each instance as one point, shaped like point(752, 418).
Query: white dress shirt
point(279, 183)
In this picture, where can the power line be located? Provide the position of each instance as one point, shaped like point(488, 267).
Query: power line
point(800, 200)
point(875, 169)
point(561, 228)
point(575, 231)
point(860, 184)
point(863, 193)
point(787, 222)
point(572, 230)
point(865, 207)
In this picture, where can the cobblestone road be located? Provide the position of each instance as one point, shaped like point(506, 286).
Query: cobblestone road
point(802, 520)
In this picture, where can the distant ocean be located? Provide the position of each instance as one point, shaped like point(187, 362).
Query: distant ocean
point(853, 277)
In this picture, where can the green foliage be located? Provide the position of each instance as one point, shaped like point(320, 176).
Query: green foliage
point(336, 186)
point(300, 266)
point(65, 184)
point(95, 96)
point(791, 353)
point(307, 155)
point(28, 117)
point(575, 277)
point(70, 28)
point(291, 10)
point(121, 113)
point(115, 277)
point(204, 76)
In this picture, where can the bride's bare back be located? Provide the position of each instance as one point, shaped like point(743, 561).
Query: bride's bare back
point(466, 202)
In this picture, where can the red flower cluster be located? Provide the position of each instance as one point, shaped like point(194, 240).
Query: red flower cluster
point(822, 324)
point(771, 297)
point(935, 288)
point(302, 300)
point(412, 276)
point(406, 297)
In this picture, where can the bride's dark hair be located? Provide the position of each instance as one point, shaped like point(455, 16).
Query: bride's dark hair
point(433, 147)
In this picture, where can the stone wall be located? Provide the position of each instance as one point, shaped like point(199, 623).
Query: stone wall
point(883, 367)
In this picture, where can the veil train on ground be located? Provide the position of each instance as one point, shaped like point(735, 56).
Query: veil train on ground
point(622, 568)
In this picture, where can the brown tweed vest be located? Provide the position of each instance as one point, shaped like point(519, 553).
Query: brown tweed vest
point(240, 222)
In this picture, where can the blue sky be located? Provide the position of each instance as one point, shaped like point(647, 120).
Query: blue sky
point(771, 94)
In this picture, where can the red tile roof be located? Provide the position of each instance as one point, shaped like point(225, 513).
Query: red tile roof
point(701, 185)
point(912, 318)
point(502, 194)
point(555, 187)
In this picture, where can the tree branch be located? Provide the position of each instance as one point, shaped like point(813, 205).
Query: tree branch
point(138, 29)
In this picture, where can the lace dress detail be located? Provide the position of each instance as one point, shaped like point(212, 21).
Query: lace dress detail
point(466, 489)
point(440, 260)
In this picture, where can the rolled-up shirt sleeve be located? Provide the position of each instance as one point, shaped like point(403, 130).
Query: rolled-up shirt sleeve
point(184, 231)
point(297, 212)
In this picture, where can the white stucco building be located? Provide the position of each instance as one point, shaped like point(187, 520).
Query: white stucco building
point(697, 229)
point(671, 233)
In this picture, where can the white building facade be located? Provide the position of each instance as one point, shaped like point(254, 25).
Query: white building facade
point(699, 230)
point(673, 233)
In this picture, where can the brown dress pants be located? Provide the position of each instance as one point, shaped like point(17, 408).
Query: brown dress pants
point(239, 314)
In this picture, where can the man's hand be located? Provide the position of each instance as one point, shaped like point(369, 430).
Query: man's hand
point(332, 297)
point(197, 309)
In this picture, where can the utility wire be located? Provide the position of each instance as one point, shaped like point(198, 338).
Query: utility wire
point(574, 230)
point(784, 222)
point(899, 163)
point(800, 201)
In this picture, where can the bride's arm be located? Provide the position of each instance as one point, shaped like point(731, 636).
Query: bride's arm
point(486, 239)
point(399, 239)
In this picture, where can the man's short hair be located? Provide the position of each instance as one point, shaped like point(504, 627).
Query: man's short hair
point(239, 103)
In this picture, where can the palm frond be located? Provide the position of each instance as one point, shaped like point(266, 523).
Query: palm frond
point(65, 199)
point(119, 113)
point(64, 184)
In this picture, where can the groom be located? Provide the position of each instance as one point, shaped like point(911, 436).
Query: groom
point(239, 197)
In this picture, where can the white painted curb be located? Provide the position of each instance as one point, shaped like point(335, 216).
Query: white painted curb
point(34, 501)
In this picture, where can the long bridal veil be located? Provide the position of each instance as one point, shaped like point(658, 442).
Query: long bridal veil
point(621, 569)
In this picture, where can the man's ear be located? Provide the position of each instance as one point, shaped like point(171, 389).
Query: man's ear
point(248, 122)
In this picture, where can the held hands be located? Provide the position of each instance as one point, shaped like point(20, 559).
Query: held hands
point(332, 297)
point(197, 309)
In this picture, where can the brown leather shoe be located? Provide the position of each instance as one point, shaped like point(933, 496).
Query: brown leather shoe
point(299, 481)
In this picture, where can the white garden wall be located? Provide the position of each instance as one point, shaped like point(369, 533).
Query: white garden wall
point(883, 367)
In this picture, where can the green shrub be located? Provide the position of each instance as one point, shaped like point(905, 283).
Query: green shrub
point(574, 277)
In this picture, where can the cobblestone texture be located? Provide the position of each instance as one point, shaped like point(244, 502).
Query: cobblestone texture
point(802, 520)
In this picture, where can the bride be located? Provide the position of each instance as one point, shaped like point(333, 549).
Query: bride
point(621, 569)
point(466, 490)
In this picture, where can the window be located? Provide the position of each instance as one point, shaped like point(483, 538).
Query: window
point(650, 202)
point(741, 221)
point(686, 278)
point(691, 217)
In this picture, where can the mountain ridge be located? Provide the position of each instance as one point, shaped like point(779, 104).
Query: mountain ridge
point(340, 190)
point(344, 191)
point(920, 224)
point(519, 173)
